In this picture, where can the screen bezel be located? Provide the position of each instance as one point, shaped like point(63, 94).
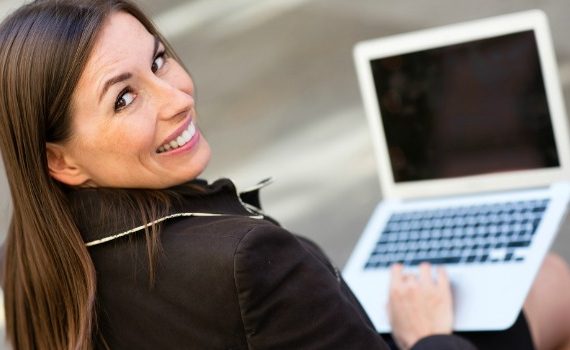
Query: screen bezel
point(534, 20)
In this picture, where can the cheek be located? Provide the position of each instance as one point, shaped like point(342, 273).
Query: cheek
point(125, 138)
point(136, 138)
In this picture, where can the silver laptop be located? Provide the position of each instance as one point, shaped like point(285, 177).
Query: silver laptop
point(471, 141)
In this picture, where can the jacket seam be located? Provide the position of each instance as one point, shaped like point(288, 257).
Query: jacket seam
point(159, 220)
point(245, 332)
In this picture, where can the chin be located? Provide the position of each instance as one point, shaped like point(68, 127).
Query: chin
point(197, 165)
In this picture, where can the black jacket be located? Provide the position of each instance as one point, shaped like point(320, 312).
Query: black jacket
point(222, 282)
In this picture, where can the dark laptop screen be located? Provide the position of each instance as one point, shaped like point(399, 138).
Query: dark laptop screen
point(466, 109)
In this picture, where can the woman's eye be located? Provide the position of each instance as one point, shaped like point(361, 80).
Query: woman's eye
point(158, 62)
point(125, 98)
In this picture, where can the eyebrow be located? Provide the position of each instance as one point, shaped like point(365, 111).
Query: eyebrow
point(125, 76)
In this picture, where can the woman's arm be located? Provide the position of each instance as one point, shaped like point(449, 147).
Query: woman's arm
point(290, 299)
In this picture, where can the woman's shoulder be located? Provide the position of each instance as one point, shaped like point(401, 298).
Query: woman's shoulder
point(235, 244)
point(222, 235)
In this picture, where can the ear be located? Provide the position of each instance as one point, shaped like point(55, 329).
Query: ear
point(62, 168)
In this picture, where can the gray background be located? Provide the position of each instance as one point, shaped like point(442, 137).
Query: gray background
point(278, 96)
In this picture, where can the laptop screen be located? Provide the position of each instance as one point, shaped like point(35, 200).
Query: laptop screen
point(468, 109)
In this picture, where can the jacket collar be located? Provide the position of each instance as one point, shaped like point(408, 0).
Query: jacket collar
point(99, 212)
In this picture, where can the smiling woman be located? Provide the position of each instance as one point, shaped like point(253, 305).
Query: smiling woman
point(115, 244)
point(134, 116)
point(90, 92)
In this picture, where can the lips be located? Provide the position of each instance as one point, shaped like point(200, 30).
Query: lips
point(179, 140)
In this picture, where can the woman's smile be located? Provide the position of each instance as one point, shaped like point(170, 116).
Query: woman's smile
point(181, 140)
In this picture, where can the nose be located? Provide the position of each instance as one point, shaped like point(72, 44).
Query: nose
point(170, 100)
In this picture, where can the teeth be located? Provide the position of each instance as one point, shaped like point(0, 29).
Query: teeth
point(181, 140)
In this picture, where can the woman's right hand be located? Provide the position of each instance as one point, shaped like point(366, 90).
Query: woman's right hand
point(419, 305)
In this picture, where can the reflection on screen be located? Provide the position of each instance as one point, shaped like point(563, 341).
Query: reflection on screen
point(466, 109)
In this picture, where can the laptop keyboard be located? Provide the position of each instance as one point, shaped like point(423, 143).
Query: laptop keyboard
point(490, 233)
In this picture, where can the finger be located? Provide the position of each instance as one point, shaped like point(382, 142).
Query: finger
point(396, 277)
point(408, 279)
point(442, 278)
point(425, 273)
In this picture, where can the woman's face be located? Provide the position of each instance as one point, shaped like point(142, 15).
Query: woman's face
point(133, 113)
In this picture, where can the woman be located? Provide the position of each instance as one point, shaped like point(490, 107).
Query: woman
point(114, 243)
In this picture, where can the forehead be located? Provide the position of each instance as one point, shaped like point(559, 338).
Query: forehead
point(122, 37)
point(118, 30)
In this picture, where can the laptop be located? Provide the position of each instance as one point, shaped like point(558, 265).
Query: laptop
point(471, 140)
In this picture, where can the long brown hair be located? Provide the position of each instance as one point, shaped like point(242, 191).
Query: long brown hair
point(49, 279)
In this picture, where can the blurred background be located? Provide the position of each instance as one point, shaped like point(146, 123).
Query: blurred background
point(278, 97)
